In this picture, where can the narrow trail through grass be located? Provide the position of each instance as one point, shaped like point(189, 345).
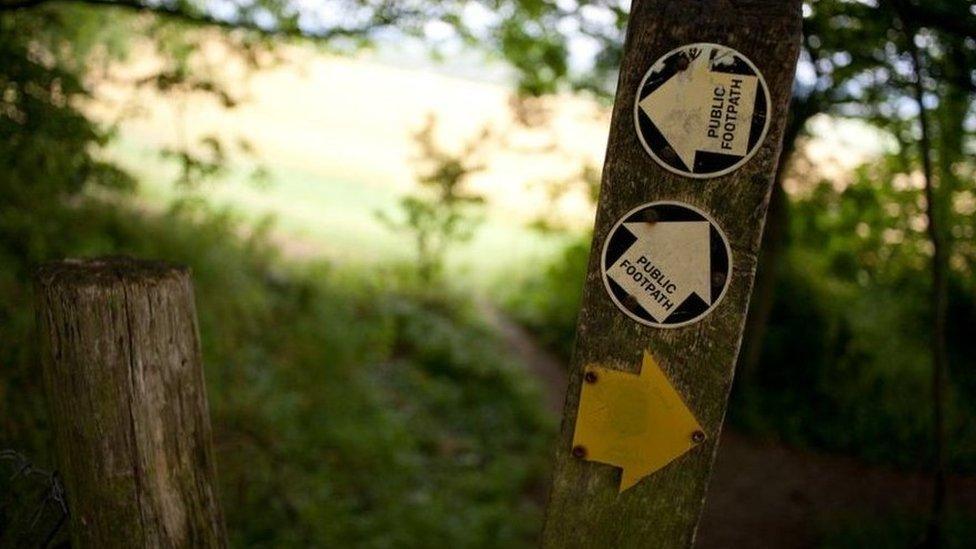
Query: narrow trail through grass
point(543, 364)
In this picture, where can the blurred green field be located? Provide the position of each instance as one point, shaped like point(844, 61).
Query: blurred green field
point(318, 214)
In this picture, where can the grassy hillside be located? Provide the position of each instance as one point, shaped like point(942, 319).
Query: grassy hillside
point(317, 215)
point(350, 408)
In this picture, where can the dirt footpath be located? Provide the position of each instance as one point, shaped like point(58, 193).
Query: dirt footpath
point(767, 494)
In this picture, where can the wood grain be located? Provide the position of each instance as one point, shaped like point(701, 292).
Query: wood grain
point(124, 381)
point(585, 509)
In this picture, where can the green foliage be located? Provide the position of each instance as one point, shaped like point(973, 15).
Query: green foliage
point(381, 413)
point(842, 369)
point(441, 214)
point(46, 158)
point(901, 531)
point(549, 302)
point(845, 364)
point(392, 416)
point(537, 51)
point(346, 411)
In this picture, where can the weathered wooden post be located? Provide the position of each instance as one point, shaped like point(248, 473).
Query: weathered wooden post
point(124, 379)
point(695, 135)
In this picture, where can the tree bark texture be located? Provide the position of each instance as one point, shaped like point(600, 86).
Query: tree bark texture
point(124, 380)
point(774, 240)
point(585, 509)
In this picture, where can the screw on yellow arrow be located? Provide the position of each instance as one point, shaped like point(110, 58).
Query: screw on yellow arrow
point(636, 422)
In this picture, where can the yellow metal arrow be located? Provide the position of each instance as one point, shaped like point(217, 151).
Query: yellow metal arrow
point(636, 422)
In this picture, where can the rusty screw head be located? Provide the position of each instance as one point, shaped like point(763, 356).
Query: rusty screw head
point(649, 216)
point(667, 153)
point(698, 437)
point(718, 278)
point(683, 63)
point(631, 303)
point(579, 452)
point(590, 377)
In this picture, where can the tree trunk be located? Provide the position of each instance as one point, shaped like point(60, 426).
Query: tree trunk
point(124, 380)
point(764, 289)
point(934, 536)
point(773, 243)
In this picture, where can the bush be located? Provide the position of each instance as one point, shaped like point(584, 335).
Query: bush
point(346, 413)
point(901, 531)
point(549, 303)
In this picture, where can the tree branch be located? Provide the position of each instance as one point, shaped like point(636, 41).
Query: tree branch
point(180, 12)
point(936, 527)
point(21, 5)
point(962, 24)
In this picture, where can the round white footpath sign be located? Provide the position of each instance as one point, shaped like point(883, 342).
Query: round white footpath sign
point(702, 110)
point(666, 264)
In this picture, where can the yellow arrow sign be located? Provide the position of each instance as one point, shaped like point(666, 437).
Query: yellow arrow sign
point(636, 422)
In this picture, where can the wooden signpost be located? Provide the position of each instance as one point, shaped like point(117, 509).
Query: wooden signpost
point(696, 132)
point(124, 378)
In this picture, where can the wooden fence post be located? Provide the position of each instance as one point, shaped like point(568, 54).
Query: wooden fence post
point(124, 380)
point(682, 64)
